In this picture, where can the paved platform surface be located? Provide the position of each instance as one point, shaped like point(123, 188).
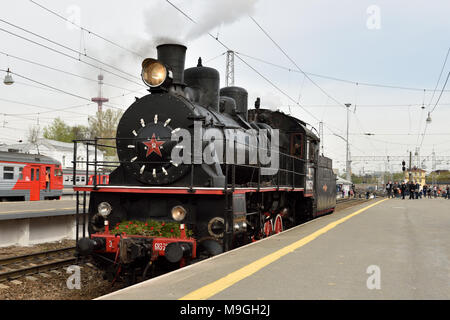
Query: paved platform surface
point(30, 209)
point(401, 248)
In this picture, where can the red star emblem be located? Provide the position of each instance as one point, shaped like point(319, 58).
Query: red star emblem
point(153, 146)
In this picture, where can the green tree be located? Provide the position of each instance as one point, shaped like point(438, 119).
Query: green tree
point(104, 125)
point(59, 131)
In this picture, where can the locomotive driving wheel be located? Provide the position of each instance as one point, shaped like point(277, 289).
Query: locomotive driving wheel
point(278, 225)
point(268, 228)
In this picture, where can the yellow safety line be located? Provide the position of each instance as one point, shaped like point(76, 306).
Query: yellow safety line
point(244, 272)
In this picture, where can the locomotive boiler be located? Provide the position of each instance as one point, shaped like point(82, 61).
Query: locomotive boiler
point(198, 173)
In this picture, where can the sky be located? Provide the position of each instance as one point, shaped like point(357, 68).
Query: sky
point(390, 43)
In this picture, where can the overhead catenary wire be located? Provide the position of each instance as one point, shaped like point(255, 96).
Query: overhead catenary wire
point(250, 66)
point(294, 63)
point(434, 92)
point(55, 88)
point(439, 78)
point(361, 83)
point(437, 102)
point(62, 71)
point(87, 30)
point(72, 57)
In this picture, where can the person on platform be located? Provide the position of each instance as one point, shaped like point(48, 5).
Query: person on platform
point(448, 192)
point(47, 180)
point(411, 187)
point(403, 189)
point(395, 189)
point(429, 190)
point(424, 191)
point(389, 189)
point(417, 189)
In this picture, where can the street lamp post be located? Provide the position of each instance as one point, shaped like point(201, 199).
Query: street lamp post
point(347, 161)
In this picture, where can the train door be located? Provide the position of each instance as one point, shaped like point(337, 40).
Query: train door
point(47, 178)
point(35, 183)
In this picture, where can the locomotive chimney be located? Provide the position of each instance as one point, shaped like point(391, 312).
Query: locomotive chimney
point(174, 56)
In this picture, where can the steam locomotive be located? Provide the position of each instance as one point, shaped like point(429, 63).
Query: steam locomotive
point(193, 157)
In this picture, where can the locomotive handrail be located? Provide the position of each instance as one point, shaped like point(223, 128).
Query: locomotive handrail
point(284, 177)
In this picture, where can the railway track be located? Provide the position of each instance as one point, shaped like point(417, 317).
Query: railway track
point(18, 266)
point(347, 200)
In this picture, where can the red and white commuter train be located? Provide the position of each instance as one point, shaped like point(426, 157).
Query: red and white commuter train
point(29, 177)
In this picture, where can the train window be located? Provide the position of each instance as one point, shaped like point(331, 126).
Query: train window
point(58, 173)
point(21, 173)
point(8, 173)
point(297, 145)
point(37, 174)
point(83, 179)
point(66, 178)
point(78, 179)
point(32, 174)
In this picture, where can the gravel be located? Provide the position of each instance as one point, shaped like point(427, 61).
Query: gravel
point(52, 285)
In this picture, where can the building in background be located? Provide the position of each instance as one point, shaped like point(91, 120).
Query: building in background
point(417, 175)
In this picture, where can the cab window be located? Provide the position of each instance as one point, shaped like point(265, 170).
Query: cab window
point(297, 145)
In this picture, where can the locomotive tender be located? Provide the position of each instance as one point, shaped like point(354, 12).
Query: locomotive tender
point(192, 153)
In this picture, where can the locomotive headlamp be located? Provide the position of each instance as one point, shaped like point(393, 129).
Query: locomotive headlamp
point(178, 213)
point(104, 209)
point(154, 73)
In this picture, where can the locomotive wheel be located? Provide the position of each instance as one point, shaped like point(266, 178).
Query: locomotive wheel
point(278, 225)
point(268, 228)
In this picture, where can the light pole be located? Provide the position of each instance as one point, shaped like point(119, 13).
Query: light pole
point(347, 161)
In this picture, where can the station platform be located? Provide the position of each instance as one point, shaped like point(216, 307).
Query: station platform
point(30, 209)
point(381, 249)
point(26, 223)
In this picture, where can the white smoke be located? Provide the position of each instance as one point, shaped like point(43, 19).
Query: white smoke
point(219, 13)
point(164, 24)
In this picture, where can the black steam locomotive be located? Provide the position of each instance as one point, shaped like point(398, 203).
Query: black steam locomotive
point(198, 173)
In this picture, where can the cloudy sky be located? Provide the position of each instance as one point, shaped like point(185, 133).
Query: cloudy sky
point(388, 56)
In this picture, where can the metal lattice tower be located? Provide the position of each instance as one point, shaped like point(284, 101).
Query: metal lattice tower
point(229, 72)
point(321, 136)
point(100, 99)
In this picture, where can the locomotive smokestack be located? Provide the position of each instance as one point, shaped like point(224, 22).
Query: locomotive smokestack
point(173, 55)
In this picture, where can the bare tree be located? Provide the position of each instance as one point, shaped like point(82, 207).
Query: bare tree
point(34, 133)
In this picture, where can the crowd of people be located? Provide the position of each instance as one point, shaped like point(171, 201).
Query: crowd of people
point(414, 190)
